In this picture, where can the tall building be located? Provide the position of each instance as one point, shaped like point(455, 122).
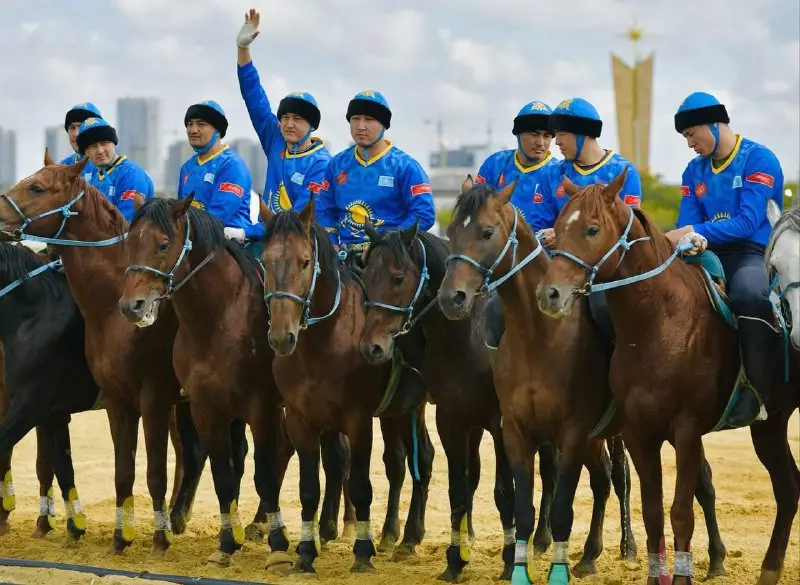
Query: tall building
point(57, 142)
point(138, 129)
point(8, 158)
point(177, 154)
point(254, 158)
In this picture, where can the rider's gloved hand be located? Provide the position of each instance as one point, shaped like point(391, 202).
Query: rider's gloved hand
point(249, 31)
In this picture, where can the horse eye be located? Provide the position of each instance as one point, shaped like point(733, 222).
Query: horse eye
point(163, 246)
point(306, 264)
point(37, 188)
point(592, 231)
point(487, 233)
point(398, 279)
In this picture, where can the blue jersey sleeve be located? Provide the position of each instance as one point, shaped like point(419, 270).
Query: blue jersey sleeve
point(417, 197)
point(231, 184)
point(691, 211)
point(312, 184)
point(486, 174)
point(255, 98)
point(134, 181)
point(761, 171)
point(326, 210)
point(632, 189)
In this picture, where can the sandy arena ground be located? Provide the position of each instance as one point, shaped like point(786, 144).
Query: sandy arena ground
point(744, 504)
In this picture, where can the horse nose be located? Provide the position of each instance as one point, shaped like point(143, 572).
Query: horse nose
point(458, 298)
point(375, 352)
point(552, 294)
point(132, 310)
point(283, 345)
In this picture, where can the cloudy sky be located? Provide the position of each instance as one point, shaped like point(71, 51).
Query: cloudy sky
point(470, 62)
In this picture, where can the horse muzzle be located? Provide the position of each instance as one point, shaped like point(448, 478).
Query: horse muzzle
point(282, 344)
point(555, 300)
point(140, 311)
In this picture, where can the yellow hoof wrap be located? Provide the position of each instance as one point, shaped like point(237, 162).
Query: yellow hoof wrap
point(125, 521)
point(161, 523)
point(231, 520)
point(7, 489)
point(74, 509)
point(309, 532)
point(464, 545)
point(47, 507)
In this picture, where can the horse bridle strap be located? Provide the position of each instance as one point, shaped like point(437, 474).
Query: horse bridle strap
point(55, 264)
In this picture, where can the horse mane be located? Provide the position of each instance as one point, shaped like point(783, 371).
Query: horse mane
point(285, 223)
point(470, 201)
point(789, 221)
point(17, 261)
point(207, 232)
point(436, 249)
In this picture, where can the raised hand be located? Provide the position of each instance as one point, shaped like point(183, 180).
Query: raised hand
point(249, 31)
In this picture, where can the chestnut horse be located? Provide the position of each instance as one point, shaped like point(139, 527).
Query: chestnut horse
point(56, 205)
point(327, 384)
point(402, 274)
point(673, 368)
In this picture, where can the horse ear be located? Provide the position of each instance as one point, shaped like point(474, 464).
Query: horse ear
point(264, 211)
point(307, 215)
point(408, 234)
point(181, 207)
point(773, 212)
point(506, 192)
point(467, 184)
point(48, 160)
point(570, 187)
point(138, 200)
point(76, 170)
point(372, 233)
point(613, 189)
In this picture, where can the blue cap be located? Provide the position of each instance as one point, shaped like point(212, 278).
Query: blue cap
point(94, 130)
point(533, 117)
point(698, 109)
point(79, 112)
point(370, 103)
point(208, 111)
point(304, 105)
point(577, 116)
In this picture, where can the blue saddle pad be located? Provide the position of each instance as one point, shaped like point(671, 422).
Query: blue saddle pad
point(713, 273)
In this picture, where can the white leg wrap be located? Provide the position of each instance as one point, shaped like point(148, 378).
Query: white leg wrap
point(508, 535)
point(363, 530)
point(684, 567)
point(521, 552)
point(162, 521)
point(275, 521)
point(307, 531)
point(561, 552)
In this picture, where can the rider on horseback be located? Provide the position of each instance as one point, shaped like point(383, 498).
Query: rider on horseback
point(725, 190)
point(372, 181)
point(528, 165)
point(296, 160)
point(116, 176)
point(216, 174)
point(72, 124)
point(577, 126)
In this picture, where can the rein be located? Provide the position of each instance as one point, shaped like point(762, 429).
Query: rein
point(66, 212)
point(626, 244)
point(511, 243)
point(306, 319)
point(170, 276)
point(54, 265)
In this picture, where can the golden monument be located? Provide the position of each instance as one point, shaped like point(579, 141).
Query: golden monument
point(633, 93)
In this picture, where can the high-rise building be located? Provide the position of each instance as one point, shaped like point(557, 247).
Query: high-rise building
point(138, 127)
point(254, 158)
point(8, 158)
point(177, 154)
point(57, 142)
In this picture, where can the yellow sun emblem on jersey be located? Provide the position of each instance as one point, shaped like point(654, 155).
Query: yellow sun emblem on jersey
point(279, 200)
point(357, 214)
point(566, 104)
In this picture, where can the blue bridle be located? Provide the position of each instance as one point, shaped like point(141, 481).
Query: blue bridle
point(306, 319)
point(32, 274)
point(66, 211)
point(626, 244)
point(409, 321)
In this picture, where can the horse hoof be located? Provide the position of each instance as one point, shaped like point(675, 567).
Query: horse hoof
point(119, 544)
point(716, 571)
point(5, 528)
point(349, 531)
point(328, 532)
point(162, 540)
point(255, 532)
point(179, 522)
point(451, 575)
point(404, 552)
point(364, 566)
point(387, 544)
point(279, 562)
point(219, 558)
point(76, 527)
point(769, 577)
point(584, 568)
point(305, 569)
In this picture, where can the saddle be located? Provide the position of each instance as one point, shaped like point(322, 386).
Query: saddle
point(716, 283)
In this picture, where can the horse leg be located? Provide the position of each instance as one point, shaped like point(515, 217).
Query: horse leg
point(473, 474)
point(360, 433)
point(239, 450)
point(504, 498)
point(7, 496)
point(520, 452)
point(420, 452)
point(306, 440)
point(455, 441)
point(124, 423)
point(394, 456)
point(621, 478)
point(65, 473)
point(689, 461)
point(646, 456)
point(349, 509)
point(599, 466)
point(193, 457)
point(772, 449)
point(548, 471)
point(706, 497)
point(44, 474)
point(177, 446)
point(155, 423)
point(333, 463)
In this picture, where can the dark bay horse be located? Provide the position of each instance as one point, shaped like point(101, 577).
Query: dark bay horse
point(56, 204)
point(327, 384)
point(402, 274)
point(673, 368)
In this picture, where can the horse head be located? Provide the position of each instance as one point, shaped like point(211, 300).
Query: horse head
point(783, 261)
point(157, 246)
point(395, 274)
point(587, 229)
point(480, 234)
point(40, 204)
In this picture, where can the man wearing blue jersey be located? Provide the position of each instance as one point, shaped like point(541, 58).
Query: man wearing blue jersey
point(216, 174)
point(528, 165)
point(725, 190)
point(72, 124)
point(372, 181)
point(296, 161)
point(116, 176)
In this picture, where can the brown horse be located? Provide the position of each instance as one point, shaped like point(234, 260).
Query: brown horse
point(327, 384)
point(56, 202)
point(402, 274)
point(673, 367)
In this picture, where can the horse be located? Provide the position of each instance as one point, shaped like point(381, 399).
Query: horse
point(666, 328)
point(57, 206)
point(402, 274)
point(328, 385)
point(783, 262)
